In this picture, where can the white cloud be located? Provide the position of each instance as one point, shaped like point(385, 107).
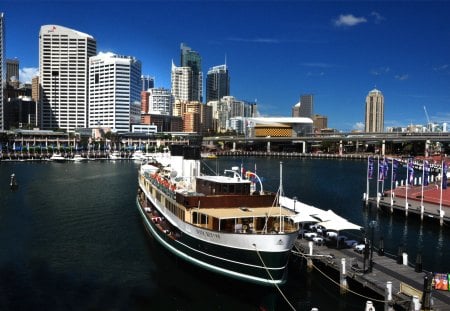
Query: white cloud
point(402, 77)
point(315, 74)
point(254, 40)
point(441, 68)
point(349, 20)
point(377, 16)
point(317, 65)
point(359, 126)
point(379, 71)
point(28, 73)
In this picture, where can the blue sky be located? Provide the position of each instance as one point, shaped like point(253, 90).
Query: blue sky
point(275, 50)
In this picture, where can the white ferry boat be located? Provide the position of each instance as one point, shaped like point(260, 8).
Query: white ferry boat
point(220, 223)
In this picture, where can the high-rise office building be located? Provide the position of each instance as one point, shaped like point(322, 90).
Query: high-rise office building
point(12, 70)
point(64, 68)
point(2, 69)
point(35, 89)
point(306, 106)
point(192, 59)
point(114, 92)
point(217, 83)
point(147, 83)
point(374, 121)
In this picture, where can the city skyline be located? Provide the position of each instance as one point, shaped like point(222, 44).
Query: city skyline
point(274, 51)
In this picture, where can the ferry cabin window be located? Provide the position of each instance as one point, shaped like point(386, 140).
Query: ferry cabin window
point(199, 218)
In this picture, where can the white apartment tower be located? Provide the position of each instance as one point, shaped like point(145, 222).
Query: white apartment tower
point(64, 68)
point(114, 92)
point(160, 101)
point(2, 69)
point(181, 79)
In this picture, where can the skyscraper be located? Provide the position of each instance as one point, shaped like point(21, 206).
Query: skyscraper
point(306, 106)
point(374, 112)
point(181, 80)
point(304, 109)
point(2, 69)
point(147, 83)
point(114, 91)
point(64, 68)
point(192, 59)
point(12, 70)
point(217, 83)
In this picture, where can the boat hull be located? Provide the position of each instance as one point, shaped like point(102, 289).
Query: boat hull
point(252, 265)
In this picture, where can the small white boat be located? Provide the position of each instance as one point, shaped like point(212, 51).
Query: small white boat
point(138, 155)
point(57, 157)
point(78, 158)
point(115, 155)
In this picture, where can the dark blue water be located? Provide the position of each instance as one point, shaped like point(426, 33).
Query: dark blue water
point(71, 239)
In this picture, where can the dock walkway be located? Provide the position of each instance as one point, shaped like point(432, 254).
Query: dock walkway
point(405, 281)
point(431, 203)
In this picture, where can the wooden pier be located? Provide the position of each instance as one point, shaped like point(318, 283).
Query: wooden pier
point(406, 282)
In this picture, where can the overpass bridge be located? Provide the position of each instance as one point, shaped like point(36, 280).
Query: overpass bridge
point(421, 142)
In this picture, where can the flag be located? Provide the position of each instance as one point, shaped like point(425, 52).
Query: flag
point(444, 175)
point(426, 172)
point(385, 168)
point(380, 171)
point(410, 171)
point(370, 168)
point(394, 169)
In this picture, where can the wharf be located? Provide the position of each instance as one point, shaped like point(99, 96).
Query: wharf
point(405, 280)
point(432, 204)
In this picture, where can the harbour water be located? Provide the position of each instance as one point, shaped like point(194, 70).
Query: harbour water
point(71, 239)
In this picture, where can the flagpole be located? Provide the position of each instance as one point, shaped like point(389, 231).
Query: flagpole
point(392, 177)
point(378, 181)
point(382, 181)
point(442, 183)
point(423, 182)
point(367, 181)
point(406, 186)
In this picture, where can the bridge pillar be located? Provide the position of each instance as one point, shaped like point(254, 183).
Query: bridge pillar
point(268, 146)
point(357, 146)
point(340, 147)
point(304, 147)
point(234, 146)
point(427, 147)
point(383, 147)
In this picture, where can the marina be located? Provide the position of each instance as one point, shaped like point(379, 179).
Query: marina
point(102, 246)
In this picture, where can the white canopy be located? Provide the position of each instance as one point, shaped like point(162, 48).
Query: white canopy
point(303, 217)
point(337, 225)
point(308, 213)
